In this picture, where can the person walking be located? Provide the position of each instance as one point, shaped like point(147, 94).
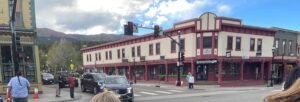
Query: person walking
point(188, 80)
point(19, 87)
point(58, 88)
point(71, 85)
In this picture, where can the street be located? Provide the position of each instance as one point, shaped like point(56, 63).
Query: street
point(168, 93)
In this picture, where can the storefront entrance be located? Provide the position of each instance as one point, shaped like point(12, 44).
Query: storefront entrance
point(201, 72)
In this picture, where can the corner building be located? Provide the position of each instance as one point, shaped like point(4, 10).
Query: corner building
point(218, 50)
point(25, 23)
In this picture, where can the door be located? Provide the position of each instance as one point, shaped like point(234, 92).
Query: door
point(201, 72)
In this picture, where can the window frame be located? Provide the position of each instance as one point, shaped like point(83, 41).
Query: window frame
point(252, 47)
point(157, 48)
point(259, 47)
point(238, 45)
point(228, 43)
point(150, 49)
point(209, 43)
point(138, 51)
point(133, 51)
point(123, 53)
point(173, 46)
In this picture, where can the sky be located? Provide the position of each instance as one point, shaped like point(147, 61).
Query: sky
point(90, 17)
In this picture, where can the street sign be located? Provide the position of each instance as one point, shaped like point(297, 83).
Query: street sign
point(72, 66)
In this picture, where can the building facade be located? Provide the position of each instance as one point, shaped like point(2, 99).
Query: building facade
point(217, 49)
point(285, 55)
point(26, 29)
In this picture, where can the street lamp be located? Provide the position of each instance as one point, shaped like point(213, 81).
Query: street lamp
point(272, 68)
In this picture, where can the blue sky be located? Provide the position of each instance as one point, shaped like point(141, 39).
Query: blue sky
point(109, 16)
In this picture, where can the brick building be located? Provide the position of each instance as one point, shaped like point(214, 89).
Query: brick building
point(217, 49)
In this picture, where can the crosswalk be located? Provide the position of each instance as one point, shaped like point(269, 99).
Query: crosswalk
point(155, 93)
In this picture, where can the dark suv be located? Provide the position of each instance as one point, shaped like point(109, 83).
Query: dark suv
point(119, 85)
point(91, 82)
point(62, 78)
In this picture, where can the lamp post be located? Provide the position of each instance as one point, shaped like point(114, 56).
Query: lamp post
point(272, 68)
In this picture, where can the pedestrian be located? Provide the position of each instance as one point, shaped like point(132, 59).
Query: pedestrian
point(58, 88)
point(71, 85)
point(191, 81)
point(19, 87)
point(292, 77)
point(292, 94)
point(105, 97)
point(188, 80)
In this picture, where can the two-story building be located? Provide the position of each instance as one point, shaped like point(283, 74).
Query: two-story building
point(217, 49)
point(26, 29)
point(285, 53)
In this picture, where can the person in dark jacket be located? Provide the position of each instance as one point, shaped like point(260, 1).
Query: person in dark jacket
point(292, 77)
point(58, 86)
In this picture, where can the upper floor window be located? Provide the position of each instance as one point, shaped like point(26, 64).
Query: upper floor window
point(238, 42)
point(252, 44)
point(133, 51)
point(90, 57)
point(198, 43)
point(110, 55)
point(173, 46)
point(106, 55)
point(96, 56)
point(290, 47)
point(157, 48)
point(216, 41)
point(87, 58)
point(229, 42)
point(182, 42)
point(283, 47)
point(119, 53)
point(123, 53)
point(259, 44)
point(99, 55)
point(18, 14)
point(138, 51)
point(151, 49)
point(207, 42)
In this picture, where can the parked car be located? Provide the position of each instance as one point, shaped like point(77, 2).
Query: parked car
point(91, 82)
point(120, 86)
point(47, 78)
point(62, 78)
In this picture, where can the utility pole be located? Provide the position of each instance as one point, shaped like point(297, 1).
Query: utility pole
point(179, 60)
point(14, 51)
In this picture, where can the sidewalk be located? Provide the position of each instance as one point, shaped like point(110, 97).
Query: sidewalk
point(49, 96)
point(204, 87)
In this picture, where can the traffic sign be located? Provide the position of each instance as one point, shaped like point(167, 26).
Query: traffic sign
point(72, 66)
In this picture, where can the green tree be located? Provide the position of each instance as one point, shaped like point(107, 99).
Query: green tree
point(61, 54)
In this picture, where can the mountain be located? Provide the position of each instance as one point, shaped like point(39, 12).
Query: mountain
point(48, 36)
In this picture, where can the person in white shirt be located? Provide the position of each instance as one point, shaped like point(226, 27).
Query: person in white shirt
point(191, 81)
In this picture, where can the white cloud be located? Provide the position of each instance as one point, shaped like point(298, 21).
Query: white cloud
point(161, 19)
point(223, 9)
point(108, 16)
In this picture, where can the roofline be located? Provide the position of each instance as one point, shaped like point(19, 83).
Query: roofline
point(252, 27)
point(286, 30)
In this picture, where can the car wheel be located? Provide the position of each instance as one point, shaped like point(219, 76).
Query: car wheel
point(95, 91)
point(131, 100)
point(83, 88)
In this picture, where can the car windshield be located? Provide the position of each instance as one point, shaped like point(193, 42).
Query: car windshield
point(48, 75)
point(116, 80)
point(99, 76)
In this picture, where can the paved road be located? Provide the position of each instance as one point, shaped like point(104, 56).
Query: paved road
point(174, 94)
